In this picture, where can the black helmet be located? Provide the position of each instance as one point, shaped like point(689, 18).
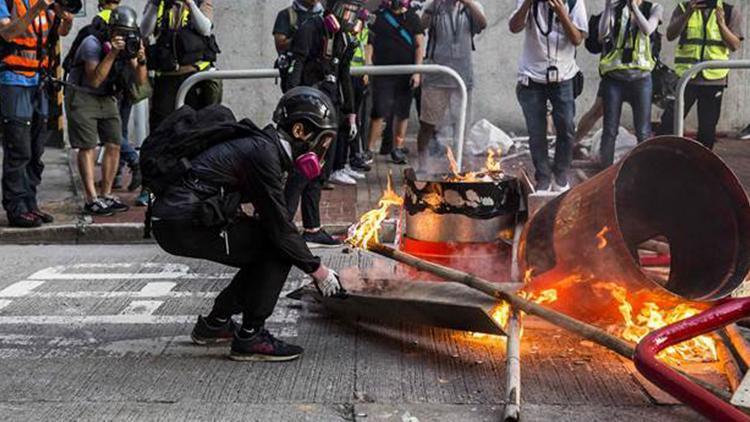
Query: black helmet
point(124, 17)
point(309, 105)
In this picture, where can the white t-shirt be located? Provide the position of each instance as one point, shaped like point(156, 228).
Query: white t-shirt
point(540, 52)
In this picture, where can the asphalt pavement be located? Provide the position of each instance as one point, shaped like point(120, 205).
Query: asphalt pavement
point(101, 333)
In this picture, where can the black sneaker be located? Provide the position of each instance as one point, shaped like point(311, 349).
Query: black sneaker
point(135, 178)
point(320, 238)
point(368, 157)
point(263, 347)
point(115, 205)
point(543, 186)
point(359, 164)
point(45, 217)
point(398, 156)
point(26, 220)
point(745, 133)
point(97, 207)
point(328, 186)
point(204, 333)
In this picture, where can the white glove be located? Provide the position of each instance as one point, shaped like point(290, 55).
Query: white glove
point(328, 283)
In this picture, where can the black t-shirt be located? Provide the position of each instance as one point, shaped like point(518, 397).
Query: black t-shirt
point(283, 24)
point(390, 44)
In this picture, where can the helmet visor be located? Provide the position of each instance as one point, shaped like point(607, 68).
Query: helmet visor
point(322, 143)
point(347, 14)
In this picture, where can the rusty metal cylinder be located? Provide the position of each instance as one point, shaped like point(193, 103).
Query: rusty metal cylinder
point(668, 188)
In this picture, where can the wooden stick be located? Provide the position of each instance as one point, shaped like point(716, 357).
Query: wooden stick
point(559, 319)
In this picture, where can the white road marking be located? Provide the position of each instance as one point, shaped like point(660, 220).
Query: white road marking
point(283, 316)
point(4, 303)
point(142, 307)
point(20, 289)
point(157, 288)
point(127, 294)
point(165, 271)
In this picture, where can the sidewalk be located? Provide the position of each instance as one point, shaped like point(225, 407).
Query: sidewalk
point(60, 194)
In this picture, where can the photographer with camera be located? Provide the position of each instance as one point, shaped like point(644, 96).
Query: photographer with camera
point(707, 30)
point(626, 64)
point(184, 45)
point(96, 79)
point(548, 73)
point(28, 30)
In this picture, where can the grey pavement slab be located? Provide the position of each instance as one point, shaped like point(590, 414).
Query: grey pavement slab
point(101, 333)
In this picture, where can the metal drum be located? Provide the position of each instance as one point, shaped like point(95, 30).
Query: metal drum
point(465, 225)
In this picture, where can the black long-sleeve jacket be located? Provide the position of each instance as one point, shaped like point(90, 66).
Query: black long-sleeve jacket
point(311, 65)
point(253, 167)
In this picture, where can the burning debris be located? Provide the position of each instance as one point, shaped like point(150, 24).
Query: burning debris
point(366, 231)
point(492, 168)
point(602, 239)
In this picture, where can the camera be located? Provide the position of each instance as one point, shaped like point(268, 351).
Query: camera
point(70, 6)
point(132, 44)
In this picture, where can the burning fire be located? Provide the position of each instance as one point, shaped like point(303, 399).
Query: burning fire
point(602, 239)
point(366, 231)
point(491, 166)
point(651, 317)
point(501, 312)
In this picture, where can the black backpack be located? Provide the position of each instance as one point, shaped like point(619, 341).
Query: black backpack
point(167, 151)
point(98, 28)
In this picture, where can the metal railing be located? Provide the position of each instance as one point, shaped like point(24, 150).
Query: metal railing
point(679, 106)
point(356, 71)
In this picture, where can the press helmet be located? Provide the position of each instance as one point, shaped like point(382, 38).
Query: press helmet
point(124, 17)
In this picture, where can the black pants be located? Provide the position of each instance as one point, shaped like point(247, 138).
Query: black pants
point(709, 100)
point(24, 123)
point(256, 287)
point(200, 95)
point(298, 189)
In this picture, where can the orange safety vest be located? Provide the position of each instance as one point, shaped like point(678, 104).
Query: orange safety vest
point(25, 60)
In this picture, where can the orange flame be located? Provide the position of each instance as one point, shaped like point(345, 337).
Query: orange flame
point(602, 239)
point(366, 231)
point(491, 165)
point(651, 317)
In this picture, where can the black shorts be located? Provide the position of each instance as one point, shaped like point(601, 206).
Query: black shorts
point(391, 95)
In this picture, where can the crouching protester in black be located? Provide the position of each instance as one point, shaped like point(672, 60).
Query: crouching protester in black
point(188, 216)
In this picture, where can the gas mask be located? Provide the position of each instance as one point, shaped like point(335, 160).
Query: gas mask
point(309, 156)
point(343, 16)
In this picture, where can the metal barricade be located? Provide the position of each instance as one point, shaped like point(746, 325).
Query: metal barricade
point(679, 106)
point(357, 71)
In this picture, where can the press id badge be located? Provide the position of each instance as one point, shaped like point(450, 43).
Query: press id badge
point(553, 75)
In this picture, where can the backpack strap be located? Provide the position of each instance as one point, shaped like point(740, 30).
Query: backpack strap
point(293, 18)
point(405, 35)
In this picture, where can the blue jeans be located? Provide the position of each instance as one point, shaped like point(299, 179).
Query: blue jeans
point(533, 100)
point(614, 94)
point(24, 110)
point(128, 155)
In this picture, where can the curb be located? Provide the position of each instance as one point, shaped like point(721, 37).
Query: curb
point(107, 233)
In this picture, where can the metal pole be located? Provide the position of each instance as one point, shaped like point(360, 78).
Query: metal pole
point(357, 71)
point(679, 106)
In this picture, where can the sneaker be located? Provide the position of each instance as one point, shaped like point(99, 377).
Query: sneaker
point(368, 157)
point(398, 156)
point(559, 187)
point(328, 186)
point(745, 133)
point(359, 164)
point(340, 177)
point(320, 238)
point(406, 150)
point(135, 178)
point(26, 220)
point(353, 173)
point(45, 217)
point(204, 333)
point(263, 347)
point(115, 205)
point(142, 199)
point(543, 187)
point(97, 207)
